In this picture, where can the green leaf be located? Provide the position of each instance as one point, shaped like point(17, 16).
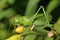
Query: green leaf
point(15, 37)
point(57, 25)
point(47, 38)
point(58, 37)
point(3, 34)
point(7, 13)
point(2, 3)
point(31, 7)
point(2, 26)
point(11, 2)
point(30, 37)
point(51, 6)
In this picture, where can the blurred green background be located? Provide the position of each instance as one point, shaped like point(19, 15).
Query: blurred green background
point(12, 8)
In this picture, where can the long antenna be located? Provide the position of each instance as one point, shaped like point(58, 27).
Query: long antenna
point(45, 15)
point(41, 7)
point(37, 12)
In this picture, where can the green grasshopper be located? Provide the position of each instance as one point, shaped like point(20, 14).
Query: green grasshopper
point(25, 21)
point(31, 22)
